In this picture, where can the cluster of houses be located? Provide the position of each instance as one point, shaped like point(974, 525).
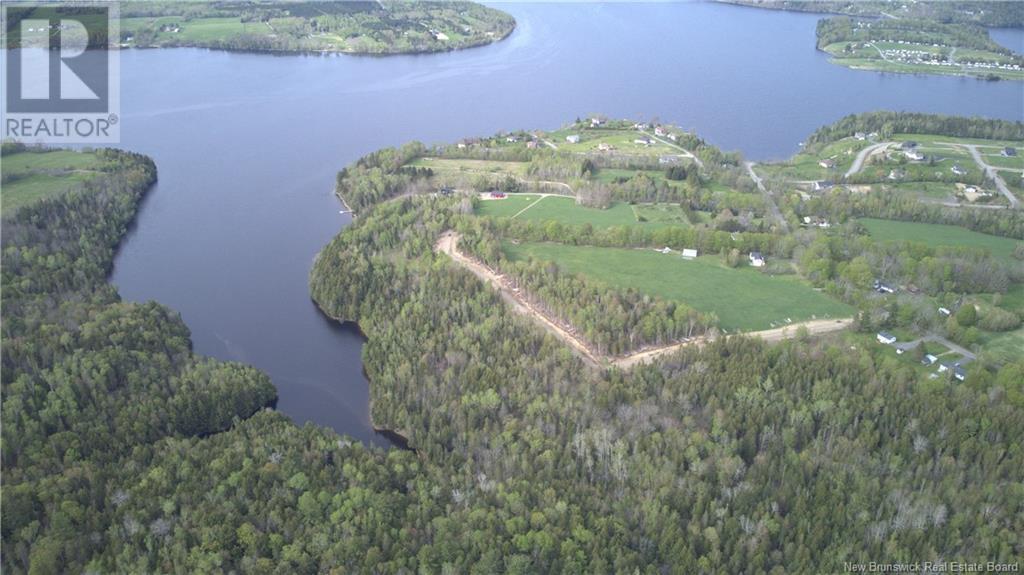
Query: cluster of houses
point(933, 59)
point(956, 367)
point(861, 136)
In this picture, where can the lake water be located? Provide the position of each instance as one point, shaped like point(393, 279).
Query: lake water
point(248, 145)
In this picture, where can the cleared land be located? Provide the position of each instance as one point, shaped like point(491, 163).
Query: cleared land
point(448, 244)
point(31, 176)
point(565, 210)
point(939, 235)
point(471, 166)
point(743, 299)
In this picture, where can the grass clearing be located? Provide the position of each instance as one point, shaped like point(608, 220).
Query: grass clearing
point(939, 235)
point(471, 166)
point(744, 299)
point(31, 176)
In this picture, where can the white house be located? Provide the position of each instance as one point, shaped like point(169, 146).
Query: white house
point(643, 141)
point(573, 139)
point(914, 155)
point(929, 359)
point(689, 254)
point(886, 338)
point(956, 169)
point(659, 131)
point(945, 311)
point(756, 259)
point(665, 250)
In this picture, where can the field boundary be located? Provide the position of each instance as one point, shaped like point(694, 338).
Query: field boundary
point(448, 244)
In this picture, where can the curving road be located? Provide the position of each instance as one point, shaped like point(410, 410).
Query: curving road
point(858, 162)
point(992, 174)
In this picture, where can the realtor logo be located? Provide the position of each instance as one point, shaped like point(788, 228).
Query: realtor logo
point(61, 82)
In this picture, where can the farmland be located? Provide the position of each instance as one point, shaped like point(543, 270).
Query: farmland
point(31, 176)
point(743, 299)
point(938, 235)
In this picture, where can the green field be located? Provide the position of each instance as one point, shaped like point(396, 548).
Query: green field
point(1003, 347)
point(31, 176)
point(496, 167)
point(939, 235)
point(622, 142)
point(565, 210)
point(744, 299)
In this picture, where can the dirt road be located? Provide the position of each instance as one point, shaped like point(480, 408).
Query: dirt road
point(448, 244)
point(769, 198)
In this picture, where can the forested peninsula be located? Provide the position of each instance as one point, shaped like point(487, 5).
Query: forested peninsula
point(385, 27)
point(124, 452)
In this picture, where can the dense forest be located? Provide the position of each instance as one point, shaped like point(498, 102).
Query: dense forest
point(126, 453)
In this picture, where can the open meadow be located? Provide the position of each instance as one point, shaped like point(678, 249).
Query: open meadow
point(31, 176)
point(743, 299)
point(939, 235)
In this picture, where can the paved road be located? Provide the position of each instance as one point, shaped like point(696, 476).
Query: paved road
point(858, 162)
point(936, 338)
point(993, 174)
point(769, 198)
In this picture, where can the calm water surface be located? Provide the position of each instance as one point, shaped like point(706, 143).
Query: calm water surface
point(247, 147)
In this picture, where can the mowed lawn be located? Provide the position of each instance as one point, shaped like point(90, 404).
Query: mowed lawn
point(939, 235)
point(744, 299)
point(32, 176)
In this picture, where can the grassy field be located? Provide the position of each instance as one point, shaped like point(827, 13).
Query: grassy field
point(743, 299)
point(471, 166)
point(804, 166)
point(939, 235)
point(34, 176)
point(1003, 347)
point(622, 142)
point(565, 210)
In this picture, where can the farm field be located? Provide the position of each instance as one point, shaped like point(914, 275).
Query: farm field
point(938, 235)
point(31, 176)
point(743, 299)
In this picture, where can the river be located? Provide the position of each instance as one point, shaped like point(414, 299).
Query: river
point(247, 147)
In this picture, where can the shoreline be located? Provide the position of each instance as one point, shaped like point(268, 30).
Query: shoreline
point(323, 52)
point(398, 437)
